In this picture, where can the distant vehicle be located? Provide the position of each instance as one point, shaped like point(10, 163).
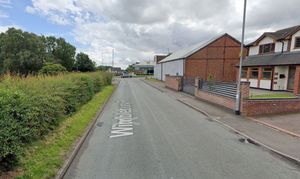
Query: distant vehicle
point(126, 75)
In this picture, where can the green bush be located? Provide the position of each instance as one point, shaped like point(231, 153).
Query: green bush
point(32, 107)
point(52, 69)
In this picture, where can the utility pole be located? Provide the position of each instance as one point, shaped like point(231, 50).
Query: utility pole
point(238, 91)
point(102, 58)
point(112, 57)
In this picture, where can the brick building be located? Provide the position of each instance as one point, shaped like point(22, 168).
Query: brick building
point(273, 61)
point(211, 60)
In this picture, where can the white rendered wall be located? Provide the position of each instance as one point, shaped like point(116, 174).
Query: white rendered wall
point(253, 83)
point(278, 46)
point(265, 84)
point(157, 71)
point(172, 68)
point(293, 41)
point(281, 83)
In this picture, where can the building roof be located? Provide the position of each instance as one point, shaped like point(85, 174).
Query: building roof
point(279, 34)
point(144, 64)
point(115, 68)
point(160, 57)
point(186, 52)
point(286, 58)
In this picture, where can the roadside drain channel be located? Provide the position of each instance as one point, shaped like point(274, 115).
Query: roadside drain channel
point(248, 141)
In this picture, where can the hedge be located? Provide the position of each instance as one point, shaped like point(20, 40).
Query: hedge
point(31, 107)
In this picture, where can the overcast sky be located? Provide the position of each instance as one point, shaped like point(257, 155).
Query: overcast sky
point(138, 29)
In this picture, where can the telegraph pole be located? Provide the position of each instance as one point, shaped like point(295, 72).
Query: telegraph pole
point(102, 58)
point(112, 57)
point(238, 91)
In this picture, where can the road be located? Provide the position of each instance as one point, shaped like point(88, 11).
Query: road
point(145, 134)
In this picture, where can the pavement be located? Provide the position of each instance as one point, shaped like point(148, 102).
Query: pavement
point(279, 132)
point(147, 133)
point(288, 122)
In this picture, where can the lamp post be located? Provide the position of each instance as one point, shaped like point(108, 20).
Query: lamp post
point(238, 92)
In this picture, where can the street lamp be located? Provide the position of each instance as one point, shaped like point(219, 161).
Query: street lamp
point(238, 92)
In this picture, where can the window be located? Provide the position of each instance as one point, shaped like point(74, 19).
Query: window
point(254, 73)
point(267, 73)
point(267, 48)
point(297, 42)
point(244, 72)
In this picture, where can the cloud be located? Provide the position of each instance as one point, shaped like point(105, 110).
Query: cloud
point(138, 29)
point(5, 3)
point(3, 14)
point(5, 28)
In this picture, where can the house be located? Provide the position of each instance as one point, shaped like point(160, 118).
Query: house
point(273, 61)
point(143, 68)
point(157, 66)
point(210, 60)
point(115, 70)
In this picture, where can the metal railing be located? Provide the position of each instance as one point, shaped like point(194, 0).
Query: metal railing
point(220, 88)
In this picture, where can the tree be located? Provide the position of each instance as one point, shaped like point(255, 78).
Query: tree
point(84, 63)
point(52, 69)
point(103, 68)
point(21, 52)
point(59, 51)
point(130, 68)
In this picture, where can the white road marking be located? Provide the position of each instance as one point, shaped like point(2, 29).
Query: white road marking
point(124, 126)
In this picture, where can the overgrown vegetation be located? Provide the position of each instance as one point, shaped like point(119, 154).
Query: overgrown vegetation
point(45, 157)
point(52, 69)
point(31, 107)
point(25, 53)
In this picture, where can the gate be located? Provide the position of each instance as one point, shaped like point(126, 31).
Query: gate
point(188, 85)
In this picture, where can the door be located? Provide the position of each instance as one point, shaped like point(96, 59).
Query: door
point(292, 70)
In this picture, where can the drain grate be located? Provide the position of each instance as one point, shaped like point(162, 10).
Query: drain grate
point(248, 141)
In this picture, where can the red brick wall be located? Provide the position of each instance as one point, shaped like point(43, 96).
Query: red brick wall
point(269, 106)
point(252, 107)
point(173, 82)
point(217, 60)
point(297, 81)
point(216, 99)
point(213, 98)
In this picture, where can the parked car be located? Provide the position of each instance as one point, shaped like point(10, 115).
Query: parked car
point(126, 75)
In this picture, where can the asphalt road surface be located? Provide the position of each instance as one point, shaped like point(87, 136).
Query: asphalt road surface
point(145, 134)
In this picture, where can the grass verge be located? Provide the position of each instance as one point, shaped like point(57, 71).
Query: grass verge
point(44, 158)
point(152, 79)
point(273, 96)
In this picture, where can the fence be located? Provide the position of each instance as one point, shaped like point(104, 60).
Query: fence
point(223, 94)
point(219, 88)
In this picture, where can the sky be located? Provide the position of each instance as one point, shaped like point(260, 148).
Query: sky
point(139, 29)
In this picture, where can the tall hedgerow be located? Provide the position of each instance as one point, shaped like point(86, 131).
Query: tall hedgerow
point(31, 107)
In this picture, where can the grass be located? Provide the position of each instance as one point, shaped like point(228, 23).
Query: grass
point(274, 96)
point(144, 75)
point(44, 158)
point(152, 79)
